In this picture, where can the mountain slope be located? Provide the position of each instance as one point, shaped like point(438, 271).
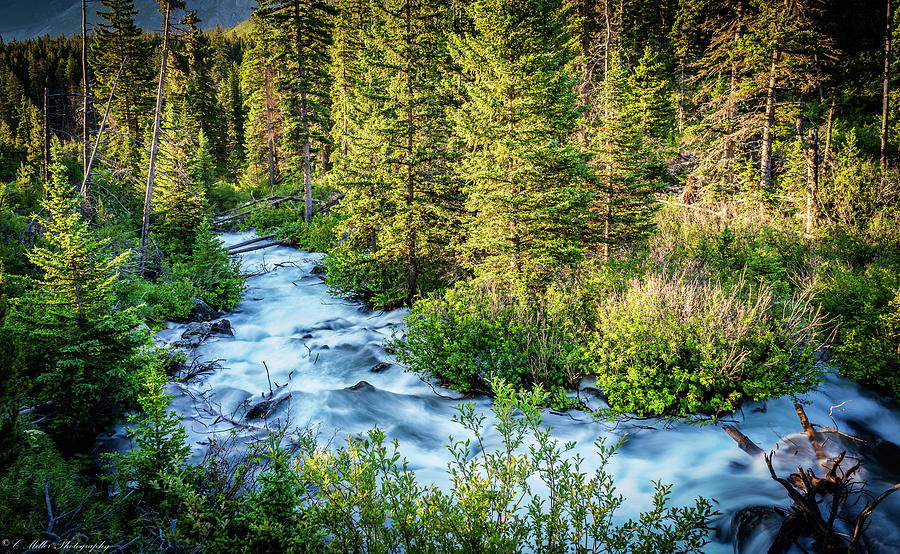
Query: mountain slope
point(24, 19)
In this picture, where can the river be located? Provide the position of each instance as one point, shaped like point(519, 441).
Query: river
point(316, 345)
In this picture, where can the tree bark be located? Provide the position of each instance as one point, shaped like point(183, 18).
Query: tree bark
point(86, 183)
point(765, 159)
point(812, 179)
point(885, 102)
point(732, 89)
point(827, 155)
point(154, 146)
point(411, 237)
point(304, 118)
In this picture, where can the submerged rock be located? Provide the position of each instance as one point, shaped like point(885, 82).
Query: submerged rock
point(203, 311)
point(380, 367)
point(199, 332)
point(362, 385)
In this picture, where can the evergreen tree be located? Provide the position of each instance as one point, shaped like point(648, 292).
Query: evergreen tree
point(651, 91)
point(160, 441)
point(11, 386)
point(192, 82)
point(524, 182)
point(399, 144)
point(300, 38)
point(116, 40)
point(180, 202)
point(81, 350)
point(263, 127)
point(625, 176)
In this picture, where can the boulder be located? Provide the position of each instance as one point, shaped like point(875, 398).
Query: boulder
point(202, 311)
point(199, 332)
point(362, 385)
point(380, 367)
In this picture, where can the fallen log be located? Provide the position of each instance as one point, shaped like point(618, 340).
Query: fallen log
point(251, 241)
point(744, 443)
point(253, 248)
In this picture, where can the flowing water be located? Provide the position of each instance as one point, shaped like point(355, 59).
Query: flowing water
point(316, 346)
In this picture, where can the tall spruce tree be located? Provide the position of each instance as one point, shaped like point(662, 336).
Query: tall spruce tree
point(263, 126)
point(79, 347)
point(192, 81)
point(398, 142)
point(626, 177)
point(524, 182)
point(300, 43)
point(117, 39)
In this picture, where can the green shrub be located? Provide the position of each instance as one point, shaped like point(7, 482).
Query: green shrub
point(216, 276)
point(679, 345)
point(23, 510)
point(317, 235)
point(475, 330)
point(367, 500)
point(867, 345)
point(361, 276)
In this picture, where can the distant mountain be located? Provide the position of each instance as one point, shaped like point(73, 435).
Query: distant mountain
point(24, 19)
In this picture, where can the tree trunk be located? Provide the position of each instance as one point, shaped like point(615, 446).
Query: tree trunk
point(608, 216)
point(304, 118)
point(885, 103)
point(411, 237)
point(765, 158)
point(732, 109)
point(86, 165)
point(812, 179)
point(827, 156)
point(270, 137)
point(154, 145)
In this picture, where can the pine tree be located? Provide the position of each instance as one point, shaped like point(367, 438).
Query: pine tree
point(524, 182)
point(160, 441)
point(652, 96)
point(398, 143)
point(118, 39)
point(300, 39)
point(180, 201)
point(192, 81)
point(625, 176)
point(81, 349)
point(263, 128)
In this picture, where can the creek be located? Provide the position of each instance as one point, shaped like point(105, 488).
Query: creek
point(289, 332)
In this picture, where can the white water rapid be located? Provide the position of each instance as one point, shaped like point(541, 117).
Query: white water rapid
point(318, 345)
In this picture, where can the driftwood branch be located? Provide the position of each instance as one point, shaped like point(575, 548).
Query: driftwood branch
point(810, 431)
point(743, 442)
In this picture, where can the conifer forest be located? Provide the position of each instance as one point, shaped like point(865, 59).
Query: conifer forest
point(551, 276)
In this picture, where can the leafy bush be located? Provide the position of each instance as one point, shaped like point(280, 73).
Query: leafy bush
point(317, 235)
point(266, 219)
point(868, 336)
point(366, 499)
point(360, 275)
point(215, 276)
point(475, 330)
point(678, 345)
